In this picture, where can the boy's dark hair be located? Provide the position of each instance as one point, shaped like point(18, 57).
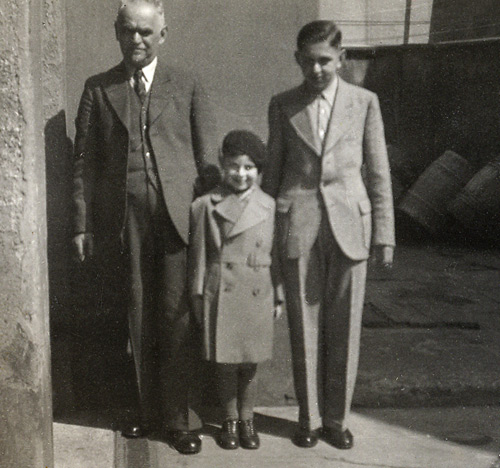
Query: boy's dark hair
point(319, 31)
point(238, 142)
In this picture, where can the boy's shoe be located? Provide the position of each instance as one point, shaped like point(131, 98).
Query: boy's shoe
point(228, 437)
point(249, 438)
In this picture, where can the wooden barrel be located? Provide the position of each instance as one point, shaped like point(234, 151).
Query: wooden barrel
point(477, 205)
point(427, 199)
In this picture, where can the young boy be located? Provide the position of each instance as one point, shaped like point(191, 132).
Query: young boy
point(320, 135)
point(230, 282)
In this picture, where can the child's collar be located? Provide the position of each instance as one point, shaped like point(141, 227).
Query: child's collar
point(223, 192)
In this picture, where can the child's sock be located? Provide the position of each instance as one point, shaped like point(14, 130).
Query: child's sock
point(227, 389)
point(247, 390)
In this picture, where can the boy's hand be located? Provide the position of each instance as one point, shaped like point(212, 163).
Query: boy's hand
point(197, 304)
point(383, 256)
point(278, 310)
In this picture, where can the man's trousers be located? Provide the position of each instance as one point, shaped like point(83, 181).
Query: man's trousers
point(160, 332)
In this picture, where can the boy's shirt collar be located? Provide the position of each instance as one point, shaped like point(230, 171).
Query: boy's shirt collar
point(329, 92)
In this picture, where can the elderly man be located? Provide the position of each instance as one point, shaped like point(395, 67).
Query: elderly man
point(143, 133)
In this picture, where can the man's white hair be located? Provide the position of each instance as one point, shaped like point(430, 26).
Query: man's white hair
point(158, 4)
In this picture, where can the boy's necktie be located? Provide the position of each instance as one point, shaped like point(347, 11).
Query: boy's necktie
point(139, 86)
point(323, 116)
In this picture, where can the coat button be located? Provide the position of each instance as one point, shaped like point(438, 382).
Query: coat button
point(228, 289)
point(258, 243)
point(256, 292)
point(229, 265)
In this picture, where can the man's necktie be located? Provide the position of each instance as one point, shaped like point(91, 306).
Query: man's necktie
point(139, 86)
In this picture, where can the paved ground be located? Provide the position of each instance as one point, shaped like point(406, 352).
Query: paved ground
point(384, 438)
point(428, 391)
point(431, 331)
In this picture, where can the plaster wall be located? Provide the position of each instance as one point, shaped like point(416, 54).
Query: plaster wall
point(378, 22)
point(25, 405)
point(242, 51)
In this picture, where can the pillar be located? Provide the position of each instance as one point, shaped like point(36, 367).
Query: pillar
point(25, 394)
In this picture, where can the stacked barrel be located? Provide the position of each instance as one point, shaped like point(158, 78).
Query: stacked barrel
point(477, 205)
point(450, 196)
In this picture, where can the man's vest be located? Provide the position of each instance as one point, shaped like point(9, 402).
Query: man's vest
point(141, 166)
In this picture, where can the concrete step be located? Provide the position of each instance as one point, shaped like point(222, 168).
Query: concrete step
point(404, 438)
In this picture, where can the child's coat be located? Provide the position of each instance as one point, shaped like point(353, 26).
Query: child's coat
point(230, 266)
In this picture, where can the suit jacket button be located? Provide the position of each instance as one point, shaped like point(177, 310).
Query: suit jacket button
point(228, 289)
point(258, 243)
point(256, 292)
point(229, 265)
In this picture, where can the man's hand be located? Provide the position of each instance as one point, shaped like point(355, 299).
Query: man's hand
point(383, 256)
point(83, 245)
point(197, 304)
point(278, 310)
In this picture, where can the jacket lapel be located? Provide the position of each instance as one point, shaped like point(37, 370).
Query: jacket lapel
point(226, 207)
point(299, 118)
point(161, 92)
point(117, 92)
point(341, 116)
point(256, 211)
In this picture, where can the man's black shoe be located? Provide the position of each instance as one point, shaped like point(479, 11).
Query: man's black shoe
point(341, 439)
point(305, 438)
point(228, 437)
point(185, 442)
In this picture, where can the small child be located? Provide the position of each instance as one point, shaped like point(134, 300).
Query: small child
point(231, 282)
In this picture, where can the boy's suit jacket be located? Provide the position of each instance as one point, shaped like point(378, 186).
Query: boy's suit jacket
point(304, 175)
point(232, 271)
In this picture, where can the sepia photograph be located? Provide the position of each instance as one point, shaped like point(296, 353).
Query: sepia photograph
point(250, 234)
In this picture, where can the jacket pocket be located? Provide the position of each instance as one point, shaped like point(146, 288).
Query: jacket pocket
point(365, 209)
point(257, 260)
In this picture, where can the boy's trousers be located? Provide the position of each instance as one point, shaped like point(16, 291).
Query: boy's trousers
point(324, 296)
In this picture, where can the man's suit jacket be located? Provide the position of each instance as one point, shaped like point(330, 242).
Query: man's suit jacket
point(305, 175)
point(181, 132)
